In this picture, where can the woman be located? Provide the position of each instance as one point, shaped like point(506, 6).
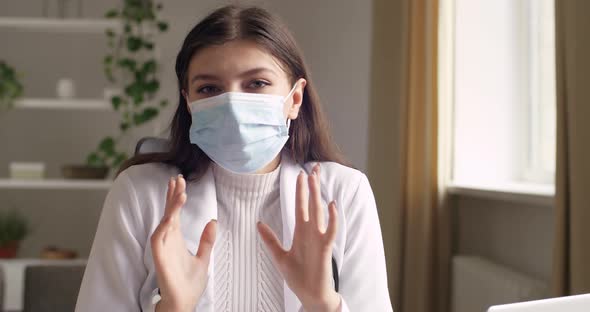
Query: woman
point(260, 168)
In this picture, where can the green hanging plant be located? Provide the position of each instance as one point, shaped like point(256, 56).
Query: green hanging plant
point(131, 65)
point(10, 86)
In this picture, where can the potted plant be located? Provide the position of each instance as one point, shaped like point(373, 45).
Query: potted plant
point(10, 86)
point(132, 66)
point(13, 229)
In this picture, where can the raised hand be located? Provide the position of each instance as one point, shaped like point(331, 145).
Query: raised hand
point(307, 266)
point(182, 277)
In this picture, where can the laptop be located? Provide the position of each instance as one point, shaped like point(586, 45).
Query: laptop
point(579, 303)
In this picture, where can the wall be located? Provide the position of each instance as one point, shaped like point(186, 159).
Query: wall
point(335, 36)
point(518, 235)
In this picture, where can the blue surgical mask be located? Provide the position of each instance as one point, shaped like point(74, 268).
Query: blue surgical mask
point(241, 132)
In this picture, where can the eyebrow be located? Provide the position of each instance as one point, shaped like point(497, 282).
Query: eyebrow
point(249, 72)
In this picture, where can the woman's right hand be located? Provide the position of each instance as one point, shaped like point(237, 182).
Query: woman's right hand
point(182, 277)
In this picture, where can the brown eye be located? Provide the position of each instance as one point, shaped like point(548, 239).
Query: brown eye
point(258, 84)
point(208, 90)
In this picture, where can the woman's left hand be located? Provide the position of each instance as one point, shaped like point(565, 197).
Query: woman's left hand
point(307, 266)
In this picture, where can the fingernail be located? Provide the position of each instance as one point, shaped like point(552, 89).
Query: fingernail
point(180, 175)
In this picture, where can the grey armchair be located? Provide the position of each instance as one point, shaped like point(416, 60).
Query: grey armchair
point(50, 288)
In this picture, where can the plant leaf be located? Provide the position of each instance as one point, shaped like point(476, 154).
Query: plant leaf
point(94, 160)
point(128, 63)
point(116, 102)
point(152, 86)
point(112, 13)
point(124, 126)
point(162, 26)
point(110, 33)
point(108, 59)
point(149, 66)
point(107, 145)
point(134, 43)
point(148, 45)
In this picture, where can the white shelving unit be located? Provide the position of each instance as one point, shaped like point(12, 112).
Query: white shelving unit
point(14, 268)
point(65, 104)
point(58, 25)
point(55, 184)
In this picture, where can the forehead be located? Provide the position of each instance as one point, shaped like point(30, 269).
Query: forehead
point(231, 59)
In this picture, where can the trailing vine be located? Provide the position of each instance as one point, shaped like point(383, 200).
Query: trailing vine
point(132, 65)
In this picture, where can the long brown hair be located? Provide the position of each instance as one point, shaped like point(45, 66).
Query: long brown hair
point(309, 138)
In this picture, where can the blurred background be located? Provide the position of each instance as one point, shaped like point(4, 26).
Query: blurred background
point(466, 115)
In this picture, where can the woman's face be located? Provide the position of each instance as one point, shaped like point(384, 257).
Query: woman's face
point(240, 66)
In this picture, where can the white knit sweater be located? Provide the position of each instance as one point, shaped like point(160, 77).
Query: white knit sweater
point(245, 276)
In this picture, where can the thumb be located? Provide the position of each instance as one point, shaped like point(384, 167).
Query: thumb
point(271, 241)
point(207, 241)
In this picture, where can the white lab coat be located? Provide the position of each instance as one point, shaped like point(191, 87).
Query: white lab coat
point(120, 274)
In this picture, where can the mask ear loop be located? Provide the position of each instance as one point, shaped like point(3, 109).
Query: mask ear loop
point(289, 95)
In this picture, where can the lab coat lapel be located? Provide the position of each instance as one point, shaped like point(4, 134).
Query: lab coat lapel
point(288, 178)
point(200, 208)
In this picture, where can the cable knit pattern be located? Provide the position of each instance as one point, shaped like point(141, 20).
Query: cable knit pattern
point(245, 276)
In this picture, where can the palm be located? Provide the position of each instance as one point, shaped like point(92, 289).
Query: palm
point(181, 276)
point(306, 267)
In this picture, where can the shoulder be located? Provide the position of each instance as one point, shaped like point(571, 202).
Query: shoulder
point(147, 176)
point(339, 177)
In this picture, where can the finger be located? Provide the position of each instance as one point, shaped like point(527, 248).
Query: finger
point(316, 213)
point(207, 241)
point(169, 190)
point(157, 238)
point(271, 241)
point(180, 185)
point(170, 195)
point(332, 228)
point(176, 207)
point(301, 200)
point(179, 198)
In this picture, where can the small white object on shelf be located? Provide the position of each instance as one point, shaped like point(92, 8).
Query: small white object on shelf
point(56, 184)
point(27, 170)
point(78, 104)
point(71, 25)
point(65, 88)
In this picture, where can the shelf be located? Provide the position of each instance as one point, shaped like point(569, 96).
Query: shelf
point(73, 104)
point(56, 184)
point(537, 194)
point(59, 25)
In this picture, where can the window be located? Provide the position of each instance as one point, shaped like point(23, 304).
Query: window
point(497, 77)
